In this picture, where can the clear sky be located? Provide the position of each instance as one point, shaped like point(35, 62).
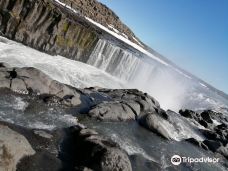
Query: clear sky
point(191, 33)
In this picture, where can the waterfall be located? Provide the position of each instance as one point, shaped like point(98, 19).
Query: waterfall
point(114, 60)
point(139, 71)
point(115, 67)
point(173, 88)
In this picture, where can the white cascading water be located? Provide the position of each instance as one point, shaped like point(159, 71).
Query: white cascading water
point(170, 86)
point(114, 60)
point(154, 78)
point(114, 67)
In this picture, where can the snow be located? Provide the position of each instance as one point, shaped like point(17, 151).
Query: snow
point(67, 6)
point(203, 85)
point(180, 72)
point(113, 28)
point(137, 41)
point(125, 35)
point(126, 41)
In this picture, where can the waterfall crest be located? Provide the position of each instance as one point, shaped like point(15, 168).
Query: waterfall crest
point(114, 60)
point(173, 88)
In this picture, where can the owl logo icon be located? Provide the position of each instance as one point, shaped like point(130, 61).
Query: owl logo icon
point(176, 160)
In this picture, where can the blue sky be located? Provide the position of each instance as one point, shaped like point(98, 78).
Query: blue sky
point(191, 33)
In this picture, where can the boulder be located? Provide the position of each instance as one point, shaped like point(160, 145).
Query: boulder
point(212, 145)
point(206, 116)
point(30, 80)
point(203, 123)
point(91, 150)
point(122, 104)
point(13, 147)
point(155, 123)
point(112, 111)
point(197, 143)
point(145, 101)
point(223, 150)
point(187, 113)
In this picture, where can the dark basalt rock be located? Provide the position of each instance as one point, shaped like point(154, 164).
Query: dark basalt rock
point(197, 143)
point(104, 105)
point(216, 136)
point(212, 145)
point(206, 116)
point(187, 113)
point(32, 81)
point(203, 123)
point(139, 161)
point(47, 26)
point(80, 149)
point(120, 105)
point(223, 150)
point(112, 111)
point(52, 28)
point(155, 123)
point(86, 148)
point(45, 144)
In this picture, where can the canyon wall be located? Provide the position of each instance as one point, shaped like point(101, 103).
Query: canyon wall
point(48, 27)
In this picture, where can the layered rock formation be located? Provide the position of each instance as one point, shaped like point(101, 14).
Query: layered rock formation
point(48, 27)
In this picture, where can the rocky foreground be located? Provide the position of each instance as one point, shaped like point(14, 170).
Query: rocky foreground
point(81, 148)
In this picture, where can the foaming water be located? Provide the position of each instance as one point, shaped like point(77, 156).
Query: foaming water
point(29, 111)
point(110, 66)
point(173, 88)
point(138, 72)
point(136, 140)
point(59, 68)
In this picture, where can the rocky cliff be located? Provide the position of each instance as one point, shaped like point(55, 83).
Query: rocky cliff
point(101, 14)
point(50, 27)
point(43, 25)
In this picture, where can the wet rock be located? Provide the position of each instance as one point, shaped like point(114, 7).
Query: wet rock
point(112, 111)
point(155, 123)
point(43, 134)
point(18, 85)
point(206, 116)
point(163, 113)
point(223, 150)
point(39, 162)
point(203, 123)
point(44, 142)
point(222, 131)
point(193, 141)
point(115, 159)
point(13, 147)
point(197, 143)
point(145, 101)
point(187, 113)
point(121, 105)
point(33, 81)
point(138, 161)
point(93, 151)
point(212, 145)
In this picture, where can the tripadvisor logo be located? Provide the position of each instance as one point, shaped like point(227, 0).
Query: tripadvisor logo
point(176, 160)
